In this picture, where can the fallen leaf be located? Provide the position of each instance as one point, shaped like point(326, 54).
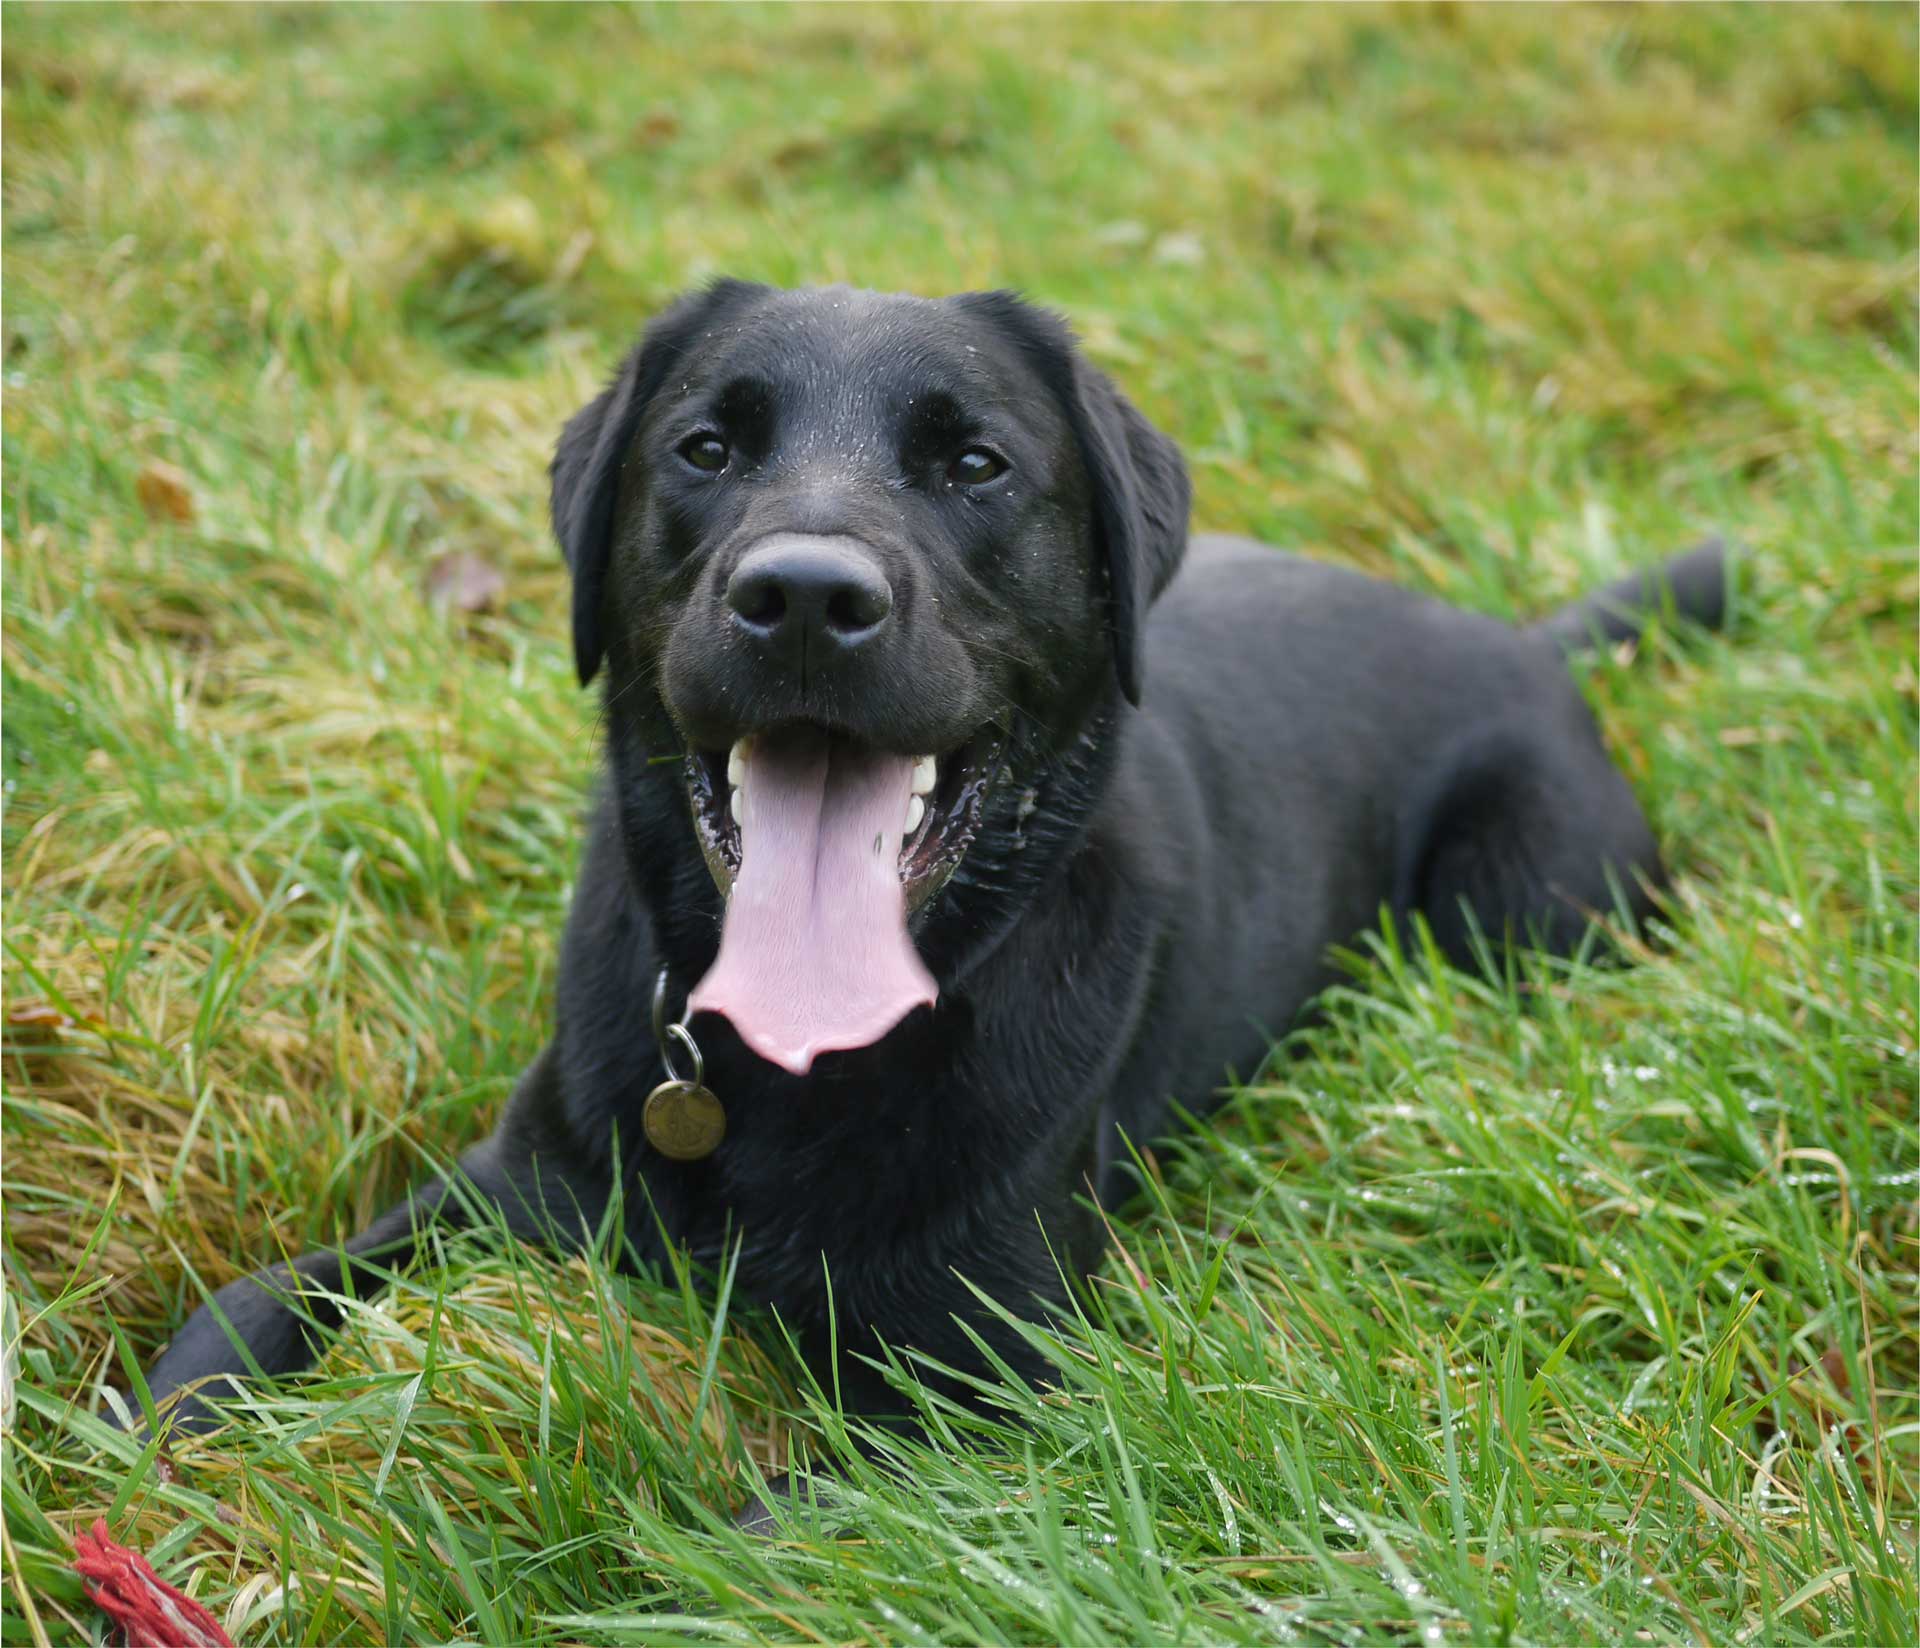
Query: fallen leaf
point(464, 582)
point(656, 127)
point(36, 1029)
point(166, 493)
point(38, 1021)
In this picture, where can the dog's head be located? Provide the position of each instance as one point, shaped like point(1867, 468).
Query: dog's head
point(844, 543)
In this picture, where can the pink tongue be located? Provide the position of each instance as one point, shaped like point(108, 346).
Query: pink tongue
point(814, 955)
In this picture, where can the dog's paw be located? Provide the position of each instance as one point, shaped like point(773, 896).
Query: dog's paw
point(757, 1517)
point(180, 1412)
point(783, 1500)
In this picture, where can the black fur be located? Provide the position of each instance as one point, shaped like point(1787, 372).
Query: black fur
point(586, 467)
point(1194, 806)
point(1136, 476)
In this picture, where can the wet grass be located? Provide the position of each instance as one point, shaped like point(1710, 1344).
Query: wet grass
point(1575, 1307)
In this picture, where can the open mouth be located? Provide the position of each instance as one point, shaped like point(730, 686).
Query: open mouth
point(824, 847)
point(937, 825)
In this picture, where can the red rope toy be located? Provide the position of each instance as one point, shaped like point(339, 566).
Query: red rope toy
point(149, 1612)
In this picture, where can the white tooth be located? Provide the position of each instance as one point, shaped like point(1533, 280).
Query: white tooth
point(734, 807)
point(916, 810)
point(925, 772)
point(737, 764)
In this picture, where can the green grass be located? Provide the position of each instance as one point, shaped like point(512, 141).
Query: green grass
point(1577, 1308)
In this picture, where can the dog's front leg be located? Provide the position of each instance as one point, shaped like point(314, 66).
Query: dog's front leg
point(273, 1321)
point(276, 1320)
point(928, 1312)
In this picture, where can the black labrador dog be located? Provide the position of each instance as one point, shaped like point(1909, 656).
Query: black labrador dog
point(968, 818)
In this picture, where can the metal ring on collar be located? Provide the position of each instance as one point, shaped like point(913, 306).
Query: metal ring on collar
point(660, 1007)
point(684, 1036)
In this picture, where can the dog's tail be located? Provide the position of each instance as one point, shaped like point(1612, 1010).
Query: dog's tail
point(1692, 586)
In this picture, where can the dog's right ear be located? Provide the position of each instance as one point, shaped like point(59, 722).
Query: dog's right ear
point(594, 445)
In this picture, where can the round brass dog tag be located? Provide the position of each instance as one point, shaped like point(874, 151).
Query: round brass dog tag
point(683, 1121)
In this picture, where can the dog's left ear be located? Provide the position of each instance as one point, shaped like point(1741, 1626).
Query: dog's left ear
point(594, 445)
point(1137, 478)
point(1141, 498)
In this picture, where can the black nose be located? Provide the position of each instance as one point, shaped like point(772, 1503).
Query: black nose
point(807, 600)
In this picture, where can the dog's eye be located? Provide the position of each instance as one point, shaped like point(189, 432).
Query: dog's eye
point(975, 466)
point(706, 452)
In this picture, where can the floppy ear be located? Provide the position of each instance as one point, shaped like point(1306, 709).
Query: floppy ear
point(593, 447)
point(1136, 477)
point(1141, 498)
